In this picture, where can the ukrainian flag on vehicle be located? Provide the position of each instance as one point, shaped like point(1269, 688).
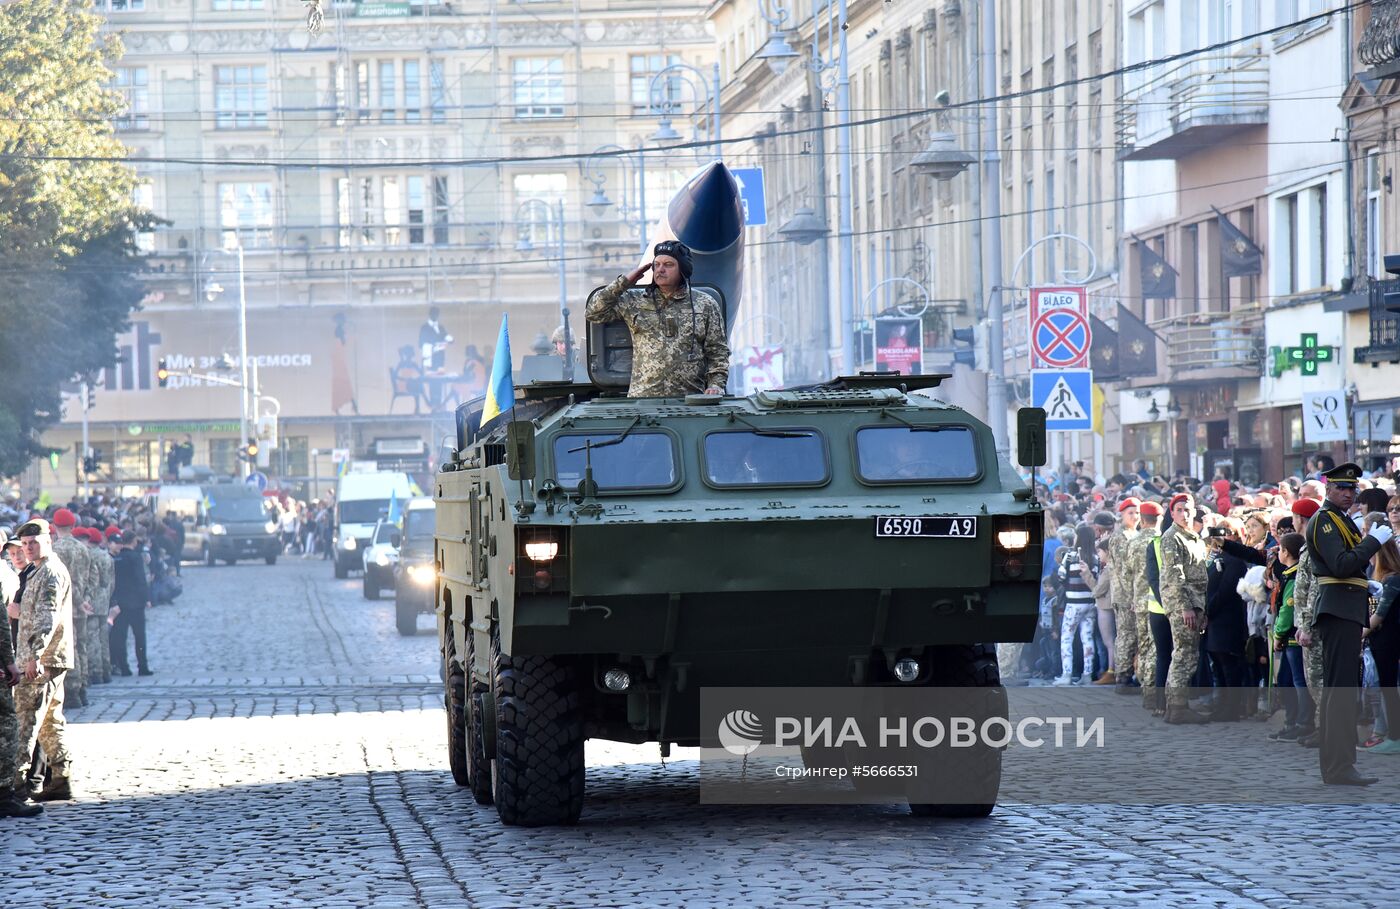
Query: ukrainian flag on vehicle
point(500, 391)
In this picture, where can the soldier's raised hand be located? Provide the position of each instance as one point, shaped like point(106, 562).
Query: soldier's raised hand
point(637, 272)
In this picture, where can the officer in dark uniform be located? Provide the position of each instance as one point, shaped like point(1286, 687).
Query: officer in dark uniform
point(1340, 555)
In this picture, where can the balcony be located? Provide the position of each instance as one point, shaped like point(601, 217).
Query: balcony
point(1379, 47)
point(1193, 105)
point(1209, 347)
point(1384, 346)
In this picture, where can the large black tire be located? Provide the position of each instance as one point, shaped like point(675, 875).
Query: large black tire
point(405, 615)
point(230, 561)
point(538, 773)
point(341, 572)
point(209, 556)
point(979, 767)
point(478, 764)
point(370, 587)
point(271, 560)
point(454, 699)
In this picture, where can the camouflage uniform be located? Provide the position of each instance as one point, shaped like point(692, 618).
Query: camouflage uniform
point(45, 636)
point(1136, 575)
point(74, 555)
point(1121, 595)
point(679, 341)
point(104, 576)
point(1304, 611)
point(9, 722)
point(1183, 582)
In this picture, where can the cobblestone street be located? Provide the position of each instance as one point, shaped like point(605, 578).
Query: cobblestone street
point(290, 752)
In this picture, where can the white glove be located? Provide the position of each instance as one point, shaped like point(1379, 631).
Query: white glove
point(1382, 532)
point(1375, 588)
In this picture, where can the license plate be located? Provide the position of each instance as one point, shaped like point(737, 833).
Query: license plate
point(945, 527)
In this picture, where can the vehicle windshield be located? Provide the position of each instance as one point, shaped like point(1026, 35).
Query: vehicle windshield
point(898, 454)
point(237, 508)
point(362, 511)
point(384, 533)
point(795, 458)
point(420, 524)
point(187, 509)
point(643, 460)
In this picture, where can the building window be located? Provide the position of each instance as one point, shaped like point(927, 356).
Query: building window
point(246, 214)
point(344, 214)
point(1373, 214)
point(393, 207)
point(536, 223)
point(292, 456)
point(121, 6)
point(362, 100)
point(367, 210)
point(240, 97)
point(133, 84)
point(437, 90)
point(441, 211)
point(388, 93)
point(412, 92)
point(1302, 220)
point(339, 99)
point(144, 196)
point(668, 91)
point(415, 210)
point(223, 457)
point(237, 5)
point(538, 86)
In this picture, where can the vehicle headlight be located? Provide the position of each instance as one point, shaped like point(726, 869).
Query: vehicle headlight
point(382, 560)
point(217, 530)
point(541, 552)
point(270, 526)
point(1013, 540)
point(350, 543)
point(422, 574)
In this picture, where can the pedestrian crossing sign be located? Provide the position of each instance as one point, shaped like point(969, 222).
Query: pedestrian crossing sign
point(1066, 396)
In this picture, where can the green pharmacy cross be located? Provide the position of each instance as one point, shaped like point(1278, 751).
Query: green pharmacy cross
point(1306, 356)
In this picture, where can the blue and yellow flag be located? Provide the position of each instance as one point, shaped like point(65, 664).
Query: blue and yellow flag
point(500, 391)
point(393, 516)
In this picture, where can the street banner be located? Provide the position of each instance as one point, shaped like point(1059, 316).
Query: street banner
point(1325, 416)
point(899, 346)
point(759, 368)
point(1374, 424)
point(1059, 329)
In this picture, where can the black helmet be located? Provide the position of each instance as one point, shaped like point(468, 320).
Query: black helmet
point(678, 251)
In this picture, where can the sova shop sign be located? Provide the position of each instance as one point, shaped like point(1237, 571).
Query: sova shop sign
point(1325, 416)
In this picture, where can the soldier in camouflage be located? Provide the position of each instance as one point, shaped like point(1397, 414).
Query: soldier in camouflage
point(13, 802)
point(1305, 590)
point(1185, 561)
point(1120, 592)
point(74, 556)
point(679, 340)
point(103, 577)
point(1140, 598)
point(45, 655)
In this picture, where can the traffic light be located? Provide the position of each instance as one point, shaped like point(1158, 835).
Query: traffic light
point(91, 400)
point(1392, 297)
point(249, 451)
point(162, 372)
point(967, 356)
point(90, 465)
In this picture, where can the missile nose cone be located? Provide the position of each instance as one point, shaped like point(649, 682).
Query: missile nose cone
point(708, 214)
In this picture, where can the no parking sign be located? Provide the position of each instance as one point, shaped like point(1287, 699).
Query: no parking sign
point(1060, 335)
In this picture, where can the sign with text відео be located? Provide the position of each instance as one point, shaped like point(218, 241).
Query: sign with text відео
point(1060, 336)
point(1325, 416)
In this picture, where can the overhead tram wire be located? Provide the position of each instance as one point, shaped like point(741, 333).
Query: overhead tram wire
point(567, 157)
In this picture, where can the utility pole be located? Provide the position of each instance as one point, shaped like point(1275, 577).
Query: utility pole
point(845, 213)
point(991, 194)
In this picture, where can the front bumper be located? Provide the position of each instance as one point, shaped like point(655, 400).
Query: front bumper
point(245, 547)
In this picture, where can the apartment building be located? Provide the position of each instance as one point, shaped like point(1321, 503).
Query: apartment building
point(411, 155)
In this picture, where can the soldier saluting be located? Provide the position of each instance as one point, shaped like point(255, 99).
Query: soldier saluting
point(679, 340)
point(1340, 555)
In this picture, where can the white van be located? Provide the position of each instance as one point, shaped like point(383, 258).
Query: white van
point(361, 499)
point(188, 503)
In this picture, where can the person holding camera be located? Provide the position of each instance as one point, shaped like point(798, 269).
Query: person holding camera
point(1078, 575)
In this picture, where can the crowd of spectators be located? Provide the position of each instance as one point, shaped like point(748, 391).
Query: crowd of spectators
point(1102, 620)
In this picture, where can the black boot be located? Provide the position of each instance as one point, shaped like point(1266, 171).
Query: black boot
point(58, 789)
point(12, 804)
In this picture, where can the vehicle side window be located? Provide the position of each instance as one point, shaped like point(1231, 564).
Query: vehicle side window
point(643, 460)
point(899, 454)
point(742, 458)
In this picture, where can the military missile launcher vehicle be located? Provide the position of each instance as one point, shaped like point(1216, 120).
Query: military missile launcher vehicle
point(600, 559)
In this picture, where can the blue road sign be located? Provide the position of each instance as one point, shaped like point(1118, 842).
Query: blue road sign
point(750, 180)
point(257, 478)
point(1067, 396)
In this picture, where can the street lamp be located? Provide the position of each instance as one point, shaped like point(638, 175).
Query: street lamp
point(553, 216)
point(776, 51)
point(804, 228)
point(600, 201)
point(666, 134)
point(942, 159)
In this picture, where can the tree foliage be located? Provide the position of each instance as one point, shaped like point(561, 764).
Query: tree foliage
point(68, 262)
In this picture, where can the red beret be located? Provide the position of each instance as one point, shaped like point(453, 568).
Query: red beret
point(80, 533)
point(64, 518)
point(1179, 497)
point(1306, 508)
point(111, 529)
point(1130, 502)
point(1150, 509)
